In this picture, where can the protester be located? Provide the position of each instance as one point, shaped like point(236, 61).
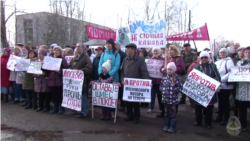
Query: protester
point(70, 52)
point(156, 83)
point(170, 87)
point(98, 53)
point(28, 84)
point(5, 74)
point(163, 52)
point(25, 51)
point(209, 69)
point(55, 82)
point(46, 48)
point(133, 66)
point(235, 47)
point(81, 61)
point(51, 53)
point(223, 65)
point(193, 65)
point(88, 50)
point(19, 45)
point(73, 47)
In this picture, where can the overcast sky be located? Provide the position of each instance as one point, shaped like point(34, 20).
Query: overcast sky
point(229, 18)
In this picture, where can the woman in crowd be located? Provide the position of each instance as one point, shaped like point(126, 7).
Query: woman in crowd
point(144, 54)
point(208, 68)
point(41, 85)
point(155, 81)
point(28, 84)
point(55, 82)
point(5, 74)
point(225, 89)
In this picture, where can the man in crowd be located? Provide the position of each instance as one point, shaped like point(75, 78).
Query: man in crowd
point(235, 47)
point(82, 62)
point(133, 66)
point(98, 53)
point(73, 47)
point(188, 58)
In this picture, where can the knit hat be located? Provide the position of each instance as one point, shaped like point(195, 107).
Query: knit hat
point(204, 54)
point(224, 50)
point(59, 48)
point(117, 42)
point(111, 41)
point(53, 45)
point(43, 52)
point(107, 65)
point(240, 48)
point(7, 50)
point(171, 66)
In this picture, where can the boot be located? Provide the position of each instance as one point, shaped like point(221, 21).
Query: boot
point(12, 97)
point(55, 108)
point(172, 126)
point(45, 110)
point(61, 111)
point(24, 104)
point(108, 115)
point(28, 106)
point(166, 127)
point(103, 115)
point(5, 98)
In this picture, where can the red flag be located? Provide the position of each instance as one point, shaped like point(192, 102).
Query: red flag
point(99, 33)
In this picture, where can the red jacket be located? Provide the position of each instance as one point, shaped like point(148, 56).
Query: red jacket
point(156, 81)
point(180, 66)
point(192, 66)
point(5, 73)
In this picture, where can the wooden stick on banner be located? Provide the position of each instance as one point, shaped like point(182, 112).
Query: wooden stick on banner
point(116, 108)
point(166, 56)
point(92, 111)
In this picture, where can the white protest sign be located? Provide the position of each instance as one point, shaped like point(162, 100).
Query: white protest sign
point(200, 87)
point(22, 65)
point(72, 89)
point(154, 67)
point(35, 68)
point(105, 94)
point(148, 34)
point(12, 62)
point(239, 74)
point(50, 63)
point(137, 90)
point(68, 58)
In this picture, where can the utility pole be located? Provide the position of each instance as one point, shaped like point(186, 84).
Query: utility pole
point(189, 27)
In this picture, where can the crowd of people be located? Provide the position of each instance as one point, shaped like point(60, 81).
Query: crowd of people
point(111, 65)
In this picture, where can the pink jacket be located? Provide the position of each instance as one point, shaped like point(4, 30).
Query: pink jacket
point(180, 66)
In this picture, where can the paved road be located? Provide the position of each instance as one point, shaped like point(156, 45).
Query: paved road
point(28, 125)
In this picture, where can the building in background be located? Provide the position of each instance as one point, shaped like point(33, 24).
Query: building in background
point(47, 28)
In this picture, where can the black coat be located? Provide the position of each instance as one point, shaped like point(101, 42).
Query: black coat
point(122, 56)
point(95, 75)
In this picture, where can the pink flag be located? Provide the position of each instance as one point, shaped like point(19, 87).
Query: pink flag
point(99, 33)
point(199, 34)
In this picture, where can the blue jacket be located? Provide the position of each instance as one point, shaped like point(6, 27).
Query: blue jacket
point(115, 63)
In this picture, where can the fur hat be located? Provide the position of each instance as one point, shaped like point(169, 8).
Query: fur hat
point(42, 51)
point(59, 48)
point(107, 65)
point(171, 66)
point(53, 45)
point(224, 50)
point(204, 54)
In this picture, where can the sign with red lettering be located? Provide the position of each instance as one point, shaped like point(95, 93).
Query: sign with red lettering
point(22, 65)
point(50, 63)
point(154, 67)
point(99, 33)
point(72, 89)
point(239, 74)
point(148, 34)
point(12, 62)
point(200, 87)
point(35, 68)
point(68, 58)
point(137, 90)
point(105, 94)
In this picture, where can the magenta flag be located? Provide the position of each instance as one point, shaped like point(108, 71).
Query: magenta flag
point(99, 33)
point(199, 34)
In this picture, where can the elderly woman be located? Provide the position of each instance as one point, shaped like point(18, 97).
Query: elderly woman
point(5, 74)
point(225, 89)
point(55, 82)
point(156, 83)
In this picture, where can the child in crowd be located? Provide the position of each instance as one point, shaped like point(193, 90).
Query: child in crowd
point(170, 87)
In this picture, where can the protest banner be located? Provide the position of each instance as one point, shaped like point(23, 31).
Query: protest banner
point(154, 67)
point(200, 87)
point(22, 65)
point(12, 62)
point(122, 35)
point(72, 89)
point(50, 63)
point(239, 74)
point(35, 68)
point(68, 58)
point(198, 34)
point(148, 34)
point(137, 90)
point(99, 33)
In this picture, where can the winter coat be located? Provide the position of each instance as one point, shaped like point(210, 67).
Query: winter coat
point(170, 91)
point(122, 56)
point(180, 66)
point(82, 63)
point(156, 81)
point(192, 66)
point(210, 70)
point(106, 78)
point(5, 73)
point(134, 68)
point(222, 64)
point(95, 75)
point(243, 88)
point(115, 63)
point(28, 80)
point(55, 78)
point(188, 59)
point(13, 76)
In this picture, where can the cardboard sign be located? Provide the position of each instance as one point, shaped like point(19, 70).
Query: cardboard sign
point(239, 74)
point(105, 94)
point(154, 67)
point(148, 34)
point(35, 68)
point(22, 65)
point(72, 89)
point(137, 90)
point(200, 87)
point(50, 63)
point(68, 58)
point(12, 62)
point(99, 33)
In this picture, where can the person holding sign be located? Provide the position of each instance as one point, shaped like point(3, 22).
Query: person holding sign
point(55, 82)
point(133, 66)
point(208, 68)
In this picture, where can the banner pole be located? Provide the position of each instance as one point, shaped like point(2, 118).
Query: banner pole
point(92, 111)
point(116, 108)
